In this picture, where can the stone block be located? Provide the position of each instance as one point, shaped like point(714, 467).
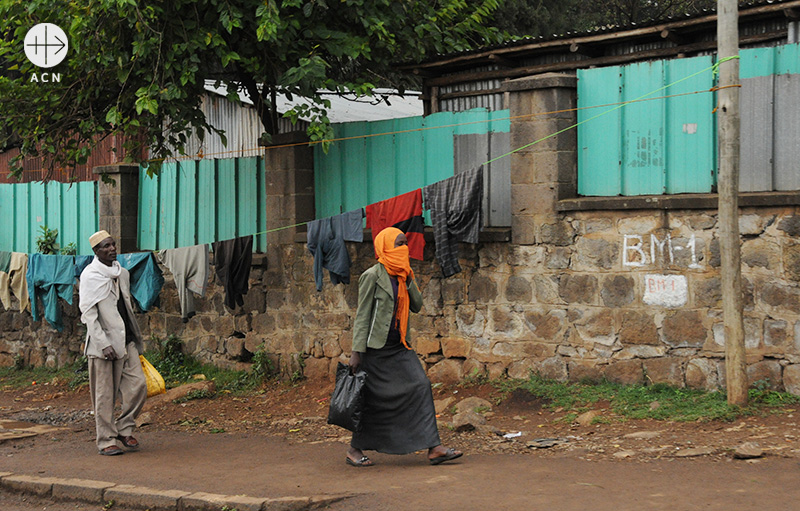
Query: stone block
point(331, 347)
point(521, 369)
point(781, 296)
point(534, 199)
point(471, 321)
point(625, 372)
point(638, 327)
point(777, 334)
point(558, 258)
point(584, 371)
point(446, 371)
point(516, 350)
point(80, 489)
point(667, 370)
point(707, 292)
point(791, 261)
point(640, 225)
point(496, 370)
point(592, 254)
point(523, 229)
point(768, 372)
point(597, 326)
point(791, 379)
point(504, 323)
point(546, 325)
point(426, 345)
point(561, 234)
point(42, 486)
point(761, 253)
point(546, 287)
point(453, 290)
point(202, 501)
point(640, 351)
point(471, 368)
point(234, 347)
point(519, 289)
point(790, 225)
point(752, 333)
point(263, 324)
point(684, 328)
point(617, 291)
point(552, 368)
point(578, 288)
point(140, 497)
point(316, 368)
point(482, 289)
point(454, 347)
point(702, 373)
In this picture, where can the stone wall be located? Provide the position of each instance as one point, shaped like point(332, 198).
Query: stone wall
point(590, 300)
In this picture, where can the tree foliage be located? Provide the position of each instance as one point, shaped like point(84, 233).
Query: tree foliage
point(138, 68)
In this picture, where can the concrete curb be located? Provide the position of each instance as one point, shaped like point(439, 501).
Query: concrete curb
point(141, 497)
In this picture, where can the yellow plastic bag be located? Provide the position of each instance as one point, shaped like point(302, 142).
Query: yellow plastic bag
point(155, 383)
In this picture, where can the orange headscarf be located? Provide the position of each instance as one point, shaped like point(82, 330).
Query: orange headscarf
point(396, 262)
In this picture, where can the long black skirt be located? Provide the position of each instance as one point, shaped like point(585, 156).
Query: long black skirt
point(399, 416)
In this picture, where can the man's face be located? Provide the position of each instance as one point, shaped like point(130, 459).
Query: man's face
point(106, 251)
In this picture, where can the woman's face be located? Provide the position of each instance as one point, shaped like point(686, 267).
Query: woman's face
point(400, 240)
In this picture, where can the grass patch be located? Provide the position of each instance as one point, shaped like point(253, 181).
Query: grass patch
point(19, 376)
point(658, 401)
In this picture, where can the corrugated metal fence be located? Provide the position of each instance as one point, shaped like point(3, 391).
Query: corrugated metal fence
point(383, 159)
point(70, 208)
point(192, 202)
point(669, 145)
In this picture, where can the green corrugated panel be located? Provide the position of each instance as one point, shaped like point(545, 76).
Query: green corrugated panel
point(643, 169)
point(409, 154)
point(148, 211)
point(187, 207)
point(439, 146)
point(37, 203)
point(382, 181)
point(690, 137)
point(328, 176)
point(354, 163)
point(7, 212)
point(168, 183)
point(247, 196)
point(472, 122)
point(207, 201)
point(599, 139)
point(779, 60)
point(226, 199)
point(501, 121)
point(71, 209)
point(88, 215)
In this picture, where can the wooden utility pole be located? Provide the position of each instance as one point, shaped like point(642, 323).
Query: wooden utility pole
point(728, 185)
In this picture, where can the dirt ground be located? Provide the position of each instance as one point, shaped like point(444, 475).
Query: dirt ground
point(525, 437)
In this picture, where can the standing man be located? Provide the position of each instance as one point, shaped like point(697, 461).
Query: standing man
point(113, 344)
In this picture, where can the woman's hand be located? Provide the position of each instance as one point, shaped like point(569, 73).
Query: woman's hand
point(355, 361)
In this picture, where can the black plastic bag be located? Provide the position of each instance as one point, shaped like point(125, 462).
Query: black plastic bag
point(347, 401)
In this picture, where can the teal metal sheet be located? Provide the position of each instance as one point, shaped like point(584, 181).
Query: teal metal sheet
point(690, 136)
point(599, 131)
point(193, 202)
point(374, 161)
point(69, 208)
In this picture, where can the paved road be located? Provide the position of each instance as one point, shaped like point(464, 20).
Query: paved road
point(262, 466)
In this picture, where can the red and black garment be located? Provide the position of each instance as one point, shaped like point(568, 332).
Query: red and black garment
point(403, 212)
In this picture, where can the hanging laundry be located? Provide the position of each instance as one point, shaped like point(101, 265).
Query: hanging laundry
point(189, 267)
point(50, 276)
point(81, 262)
point(455, 205)
point(326, 239)
point(403, 212)
point(5, 261)
point(14, 281)
point(232, 261)
point(146, 277)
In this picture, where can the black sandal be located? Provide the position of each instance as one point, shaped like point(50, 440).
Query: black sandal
point(451, 454)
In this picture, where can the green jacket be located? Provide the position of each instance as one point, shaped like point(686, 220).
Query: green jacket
point(375, 308)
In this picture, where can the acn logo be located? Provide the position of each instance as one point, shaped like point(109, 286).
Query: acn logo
point(46, 45)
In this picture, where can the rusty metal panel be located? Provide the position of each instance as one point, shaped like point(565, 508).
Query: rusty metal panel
point(755, 153)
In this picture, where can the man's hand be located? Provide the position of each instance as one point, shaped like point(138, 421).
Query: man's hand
point(355, 361)
point(108, 353)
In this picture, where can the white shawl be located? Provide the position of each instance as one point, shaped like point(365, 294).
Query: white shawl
point(97, 282)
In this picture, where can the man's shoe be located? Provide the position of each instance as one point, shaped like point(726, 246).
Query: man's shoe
point(129, 442)
point(111, 450)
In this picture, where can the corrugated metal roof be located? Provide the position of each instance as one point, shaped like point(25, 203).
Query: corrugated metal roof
point(349, 108)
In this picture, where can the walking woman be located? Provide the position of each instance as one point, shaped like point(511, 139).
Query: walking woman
point(399, 416)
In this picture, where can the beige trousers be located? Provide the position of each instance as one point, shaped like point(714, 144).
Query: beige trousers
point(109, 378)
